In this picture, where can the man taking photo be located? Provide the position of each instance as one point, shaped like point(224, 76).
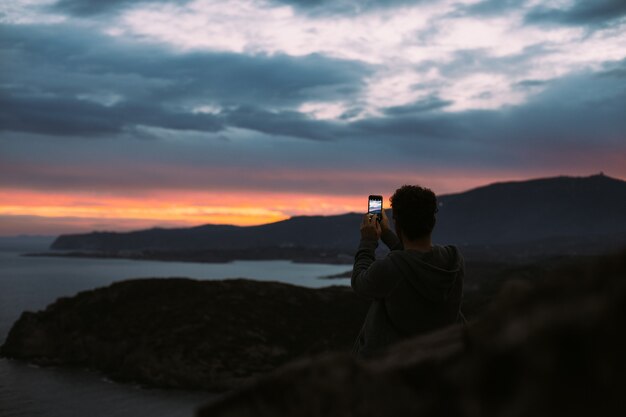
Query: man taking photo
point(418, 286)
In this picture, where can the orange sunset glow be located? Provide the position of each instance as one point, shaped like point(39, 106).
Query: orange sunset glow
point(36, 212)
point(33, 211)
point(27, 211)
point(168, 209)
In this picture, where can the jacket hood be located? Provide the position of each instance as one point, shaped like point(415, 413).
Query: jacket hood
point(432, 274)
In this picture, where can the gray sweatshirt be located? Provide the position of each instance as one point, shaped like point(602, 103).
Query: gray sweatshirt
point(412, 292)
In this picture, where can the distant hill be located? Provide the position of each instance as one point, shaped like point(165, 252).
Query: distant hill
point(560, 212)
point(525, 211)
point(333, 232)
point(25, 242)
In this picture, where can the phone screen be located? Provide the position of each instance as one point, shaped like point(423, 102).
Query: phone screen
point(375, 205)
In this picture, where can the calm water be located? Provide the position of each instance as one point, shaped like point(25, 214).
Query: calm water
point(29, 283)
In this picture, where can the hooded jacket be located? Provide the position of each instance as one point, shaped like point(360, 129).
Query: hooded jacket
point(412, 292)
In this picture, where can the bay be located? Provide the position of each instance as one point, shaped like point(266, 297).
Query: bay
point(32, 283)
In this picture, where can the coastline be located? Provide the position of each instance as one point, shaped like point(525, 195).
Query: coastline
point(295, 255)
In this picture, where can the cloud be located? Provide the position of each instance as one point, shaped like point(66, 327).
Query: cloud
point(319, 7)
point(427, 104)
point(278, 79)
point(581, 12)
point(248, 26)
point(530, 83)
point(575, 12)
point(490, 7)
point(286, 123)
point(469, 57)
point(615, 70)
point(487, 95)
point(578, 117)
point(63, 83)
point(97, 7)
point(346, 7)
point(67, 117)
point(575, 117)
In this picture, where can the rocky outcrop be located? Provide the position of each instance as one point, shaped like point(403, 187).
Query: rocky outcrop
point(550, 348)
point(185, 333)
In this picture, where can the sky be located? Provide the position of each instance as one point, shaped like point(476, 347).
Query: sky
point(120, 114)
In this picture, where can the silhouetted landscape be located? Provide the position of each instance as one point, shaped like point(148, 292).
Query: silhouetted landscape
point(511, 221)
point(545, 305)
point(553, 348)
point(183, 189)
point(537, 336)
point(182, 333)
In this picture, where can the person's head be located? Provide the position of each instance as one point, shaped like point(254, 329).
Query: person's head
point(414, 209)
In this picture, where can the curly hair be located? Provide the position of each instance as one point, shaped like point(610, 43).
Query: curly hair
point(414, 209)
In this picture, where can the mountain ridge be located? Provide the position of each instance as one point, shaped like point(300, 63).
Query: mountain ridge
point(503, 213)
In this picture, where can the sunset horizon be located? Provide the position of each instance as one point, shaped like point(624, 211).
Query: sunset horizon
point(73, 218)
point(122, 115)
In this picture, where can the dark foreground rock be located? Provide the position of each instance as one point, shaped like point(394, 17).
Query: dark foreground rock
point(185, 333)
point(553, 348)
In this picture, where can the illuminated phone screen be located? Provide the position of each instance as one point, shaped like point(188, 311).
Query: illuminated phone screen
point(375, 205)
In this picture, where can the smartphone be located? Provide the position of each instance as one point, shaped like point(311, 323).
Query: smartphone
point(375, 206)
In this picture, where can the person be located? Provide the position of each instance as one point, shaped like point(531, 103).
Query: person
point(418, 286)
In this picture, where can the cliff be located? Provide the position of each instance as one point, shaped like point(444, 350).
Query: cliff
point(549, 348)
point(185, 333)
point(210, 334)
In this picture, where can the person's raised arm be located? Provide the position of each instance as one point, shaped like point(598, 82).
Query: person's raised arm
point(364, 280)
point(388, 236)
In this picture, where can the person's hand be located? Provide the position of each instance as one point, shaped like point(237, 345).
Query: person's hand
point(370, 228)
point(384, 223)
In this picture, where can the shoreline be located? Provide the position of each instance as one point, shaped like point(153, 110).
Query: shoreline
point(333, 258)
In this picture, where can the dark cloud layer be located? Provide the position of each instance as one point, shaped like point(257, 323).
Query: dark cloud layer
point(576, 117)
point(583, 12)
point(67, 116)
point(346, 7)
point(490, 7)
point(277, 80)
point(96, 7)
point(60, 81)
point(85, 8)
point(57, 77)
point(427, 104)
point(229, 120)
point(286, 123)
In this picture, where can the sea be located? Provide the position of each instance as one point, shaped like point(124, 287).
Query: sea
point(32, 283)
